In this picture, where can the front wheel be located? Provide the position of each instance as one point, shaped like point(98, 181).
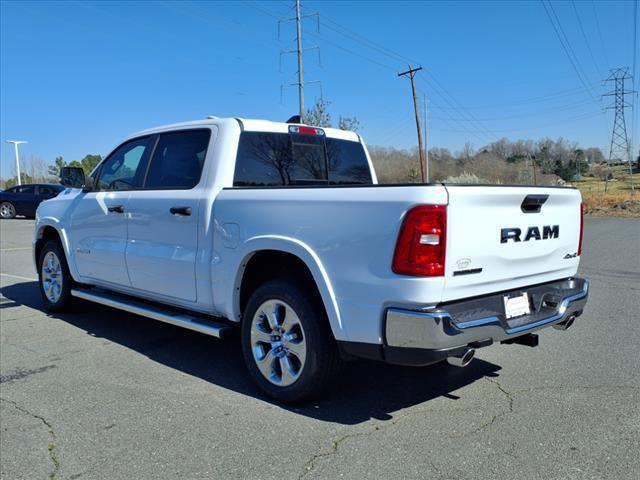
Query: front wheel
point(7, 210)
point(287, 343)
point(54, 277)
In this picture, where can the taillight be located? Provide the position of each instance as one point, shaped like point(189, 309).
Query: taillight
point(420, 250)
point(581, 228)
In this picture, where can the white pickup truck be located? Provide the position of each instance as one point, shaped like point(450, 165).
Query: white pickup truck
point(283, 229)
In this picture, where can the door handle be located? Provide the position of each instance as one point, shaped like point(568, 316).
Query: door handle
point(116, 209)
point(180, 211)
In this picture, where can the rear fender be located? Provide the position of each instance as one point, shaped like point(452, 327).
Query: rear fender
point(310, 259)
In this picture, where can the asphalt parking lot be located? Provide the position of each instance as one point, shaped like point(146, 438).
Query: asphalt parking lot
point(98, 393)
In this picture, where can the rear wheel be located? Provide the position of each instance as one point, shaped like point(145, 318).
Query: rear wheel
point(7, 210)
point(54, 277)
point(287, 343)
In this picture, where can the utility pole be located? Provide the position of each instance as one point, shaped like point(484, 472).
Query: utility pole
point(620, 146)
point(426, 143)
point(15, 147)
point(533, 168)
point(299, 51)
point(300, 76)
point(411, 72)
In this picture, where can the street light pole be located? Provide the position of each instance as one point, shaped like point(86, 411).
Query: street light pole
point(15, 147)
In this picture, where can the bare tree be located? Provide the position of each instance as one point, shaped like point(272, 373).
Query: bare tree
point(318, 115)
point(348, 123)
point(468, 151)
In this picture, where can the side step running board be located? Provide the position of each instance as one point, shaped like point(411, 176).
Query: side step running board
point(199, 324)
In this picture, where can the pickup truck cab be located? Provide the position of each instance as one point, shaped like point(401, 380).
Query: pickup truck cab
point(282, 229)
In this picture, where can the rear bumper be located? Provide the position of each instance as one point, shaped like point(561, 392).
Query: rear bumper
point(424, 337)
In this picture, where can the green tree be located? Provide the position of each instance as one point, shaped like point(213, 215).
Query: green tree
point(24, 178)
point(54, 170)
point(89, 162)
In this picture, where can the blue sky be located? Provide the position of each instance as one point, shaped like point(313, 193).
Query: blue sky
point(77, 77)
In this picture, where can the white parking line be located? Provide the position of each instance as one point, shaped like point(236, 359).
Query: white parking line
point(18, 277)
point(14, 249)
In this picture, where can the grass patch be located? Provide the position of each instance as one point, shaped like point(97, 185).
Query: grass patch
point(617, 204)
point(615, 198)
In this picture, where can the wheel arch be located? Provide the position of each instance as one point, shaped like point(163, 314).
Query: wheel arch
point(50, 231)
point(260, 252)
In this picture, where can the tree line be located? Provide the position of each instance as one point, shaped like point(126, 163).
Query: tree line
point(545, 161)
point(34, 169)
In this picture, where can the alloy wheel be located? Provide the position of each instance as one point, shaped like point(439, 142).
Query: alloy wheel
point(52, 277)
point(7, 210)
point(278, 343)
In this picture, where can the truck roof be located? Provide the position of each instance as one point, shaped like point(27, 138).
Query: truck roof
point(249, 125)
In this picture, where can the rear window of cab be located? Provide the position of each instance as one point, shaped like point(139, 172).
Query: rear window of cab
point(267, 159)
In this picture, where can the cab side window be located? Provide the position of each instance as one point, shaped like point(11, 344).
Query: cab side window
point(124, 168)
point(178, 160)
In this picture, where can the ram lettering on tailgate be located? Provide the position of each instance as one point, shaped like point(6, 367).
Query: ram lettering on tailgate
point(533, 233)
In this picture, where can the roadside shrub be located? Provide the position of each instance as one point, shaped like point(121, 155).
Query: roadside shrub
point(612, 204)
point(466, 177)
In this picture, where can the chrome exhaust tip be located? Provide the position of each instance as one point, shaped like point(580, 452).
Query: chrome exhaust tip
point(462, 360)
point(566, 324)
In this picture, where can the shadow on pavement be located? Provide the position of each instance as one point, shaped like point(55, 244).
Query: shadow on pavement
point(365, 390)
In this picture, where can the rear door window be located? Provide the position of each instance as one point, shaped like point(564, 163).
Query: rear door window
point(178, 160)
point(268, 159)
point(26, 190)
point(46, 190)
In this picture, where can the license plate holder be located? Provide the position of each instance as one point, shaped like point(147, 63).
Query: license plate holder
point(516, 305)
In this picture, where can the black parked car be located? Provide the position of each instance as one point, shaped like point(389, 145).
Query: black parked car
point(24, 199)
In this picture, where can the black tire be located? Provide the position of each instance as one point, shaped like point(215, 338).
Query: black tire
point(321, 358)
point(7, 210)
point(64, 300)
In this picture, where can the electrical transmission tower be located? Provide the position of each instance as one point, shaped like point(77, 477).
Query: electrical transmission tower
point(299, 51)
point(620, 149)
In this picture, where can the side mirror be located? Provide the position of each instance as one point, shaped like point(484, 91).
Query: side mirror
point(72, 177)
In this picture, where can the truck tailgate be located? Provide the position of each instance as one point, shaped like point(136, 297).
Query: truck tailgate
point(497, 240)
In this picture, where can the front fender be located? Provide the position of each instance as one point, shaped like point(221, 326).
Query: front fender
point(64, 238)
point(56, 213)
point(310, 259)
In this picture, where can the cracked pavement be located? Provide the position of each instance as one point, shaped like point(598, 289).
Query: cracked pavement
point(98, 393)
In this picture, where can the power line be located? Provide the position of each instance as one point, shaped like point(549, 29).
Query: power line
point(378, 63)
point(604, 50)
point(562, 108)
point(527, 101)
point(341, 29)
point(473, 126)
point(566, 45)
point(401, 58)
point(584, 36)
point(565, 121)
point(437, 86)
